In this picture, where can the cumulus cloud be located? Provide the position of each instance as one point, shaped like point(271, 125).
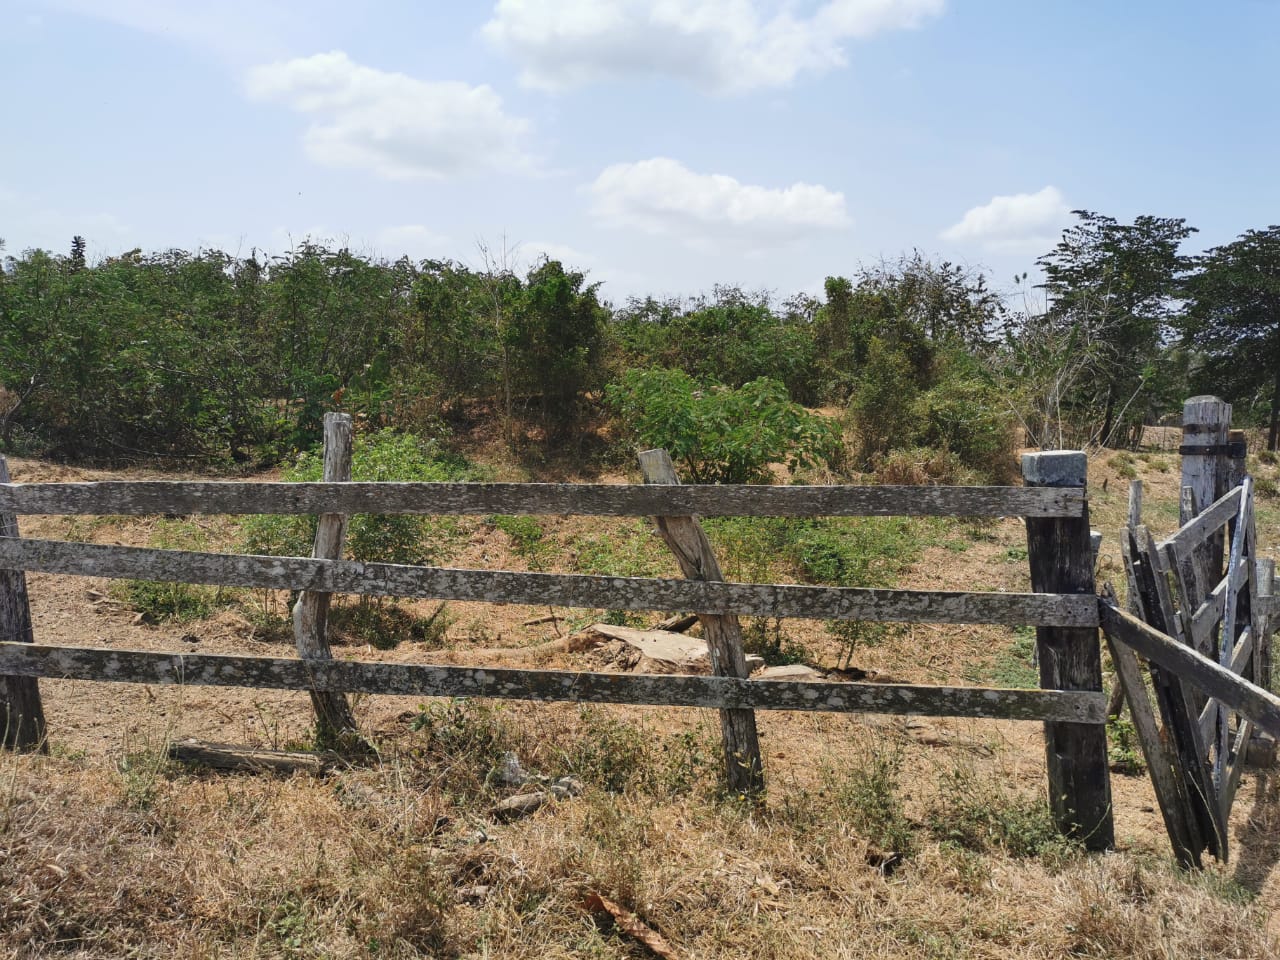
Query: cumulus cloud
point(662, 196)
point(1016, 223)
point(726, 46)
point(394, 125)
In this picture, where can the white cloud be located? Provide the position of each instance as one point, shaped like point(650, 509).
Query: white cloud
point(662, 196)
point(720, 45)
point(394, 125)
point(1019, 223)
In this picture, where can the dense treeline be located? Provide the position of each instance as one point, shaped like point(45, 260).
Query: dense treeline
point(216, 357)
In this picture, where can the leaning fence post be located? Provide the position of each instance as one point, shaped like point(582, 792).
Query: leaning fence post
point(21, 712)
point(688, 541)
point(334, 718)
point(1061, 560)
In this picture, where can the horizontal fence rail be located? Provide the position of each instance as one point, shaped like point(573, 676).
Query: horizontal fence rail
point(426, 680)
point(566, 590)
point(125, 498)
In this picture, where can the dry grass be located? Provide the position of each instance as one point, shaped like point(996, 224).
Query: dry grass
point(129, 857)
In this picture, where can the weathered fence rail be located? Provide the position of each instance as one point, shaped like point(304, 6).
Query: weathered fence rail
point(1063, 607)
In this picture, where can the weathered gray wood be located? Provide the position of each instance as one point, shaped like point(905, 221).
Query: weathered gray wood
point(1205, 423)
point(542, 589)
point(1135, 505)
point(1237, 577)
point(1166, 779)
point(1133, 600)
point(225, 756)
point(135, 497)
point(1180, 702)
point(1257, 705)
point(684, 536)
point(1200, 528)
point(1264, 623)
point(428, 680)
point(1238, 761)
point(334, 719)
point(1207, 617)
point(22, 725)
point(1061, 561)
point(1239, 658)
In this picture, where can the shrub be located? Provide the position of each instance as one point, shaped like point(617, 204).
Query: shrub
point(719, 434)
point(917, 466)
point(968, 417)
point(882, 406)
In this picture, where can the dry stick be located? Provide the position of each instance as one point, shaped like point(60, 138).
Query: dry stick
point(688, 541)
point(22, 724)
point(1060, 555)
point(334, 719)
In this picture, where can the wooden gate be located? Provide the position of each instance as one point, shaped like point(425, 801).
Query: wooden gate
point(1205, 589)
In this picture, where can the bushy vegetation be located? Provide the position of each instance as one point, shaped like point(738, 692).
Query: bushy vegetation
point(226, 359)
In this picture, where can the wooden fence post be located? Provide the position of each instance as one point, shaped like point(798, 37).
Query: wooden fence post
point(335, 723)
point(1061, 560)
point(688, 541)
point(21, 712)
point(1206, 422)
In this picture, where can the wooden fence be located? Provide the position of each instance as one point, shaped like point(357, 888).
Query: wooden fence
point(1062, 607)
point(1200, 610)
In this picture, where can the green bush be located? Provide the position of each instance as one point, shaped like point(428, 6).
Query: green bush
point(371, 538)
point(882, 406)
point(969, 418)
point(718, 434)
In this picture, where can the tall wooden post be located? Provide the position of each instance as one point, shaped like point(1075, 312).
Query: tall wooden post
point(21, 712)
point(1206, 466)
point(688, 541)
point(1061, 559)
point(335, 723)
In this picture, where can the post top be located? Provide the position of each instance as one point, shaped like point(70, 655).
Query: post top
point(1055, 468)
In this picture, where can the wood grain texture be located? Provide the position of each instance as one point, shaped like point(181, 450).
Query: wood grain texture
point(1166, 778)
point(1259, 706)
point(127, 498)
point(1060, 554)
point(22, 724)
point(334, 718)
point(426, 680)
point(687, 540)
point(561, 590)
point(1200, 528)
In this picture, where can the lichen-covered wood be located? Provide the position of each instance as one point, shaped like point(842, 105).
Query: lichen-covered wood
point(21, 711)
point(132, 497)
point(334, 719)
point(686, 539)
point(426, 680)
point(543, 589)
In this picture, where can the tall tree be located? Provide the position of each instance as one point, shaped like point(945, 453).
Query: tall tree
point(1120, 281)
point(1233, 315)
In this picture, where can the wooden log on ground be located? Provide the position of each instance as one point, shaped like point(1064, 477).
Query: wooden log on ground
point(137, 497)
point(744, 768)
point(561, 590)
point(22, 725)
point(334, 720)
point(1061, 559)
point(225, 756)
point(429, 680)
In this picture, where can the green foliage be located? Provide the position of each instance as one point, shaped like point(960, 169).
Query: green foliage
point(883, 403)
point(1014, 665)
point(527, 538)
point(865, 799)
point(382, 456)
point(465, 742)
point(720, 434)
point(1123, 750)
point(980, 812)
point(1233, 313)
point(765, 637)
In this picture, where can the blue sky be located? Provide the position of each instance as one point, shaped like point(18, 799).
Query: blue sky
point(662, 147)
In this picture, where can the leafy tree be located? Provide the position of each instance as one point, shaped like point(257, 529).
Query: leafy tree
point(557, 333)
point(721, 434)
point(1233, 316)
point(1119, 282)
